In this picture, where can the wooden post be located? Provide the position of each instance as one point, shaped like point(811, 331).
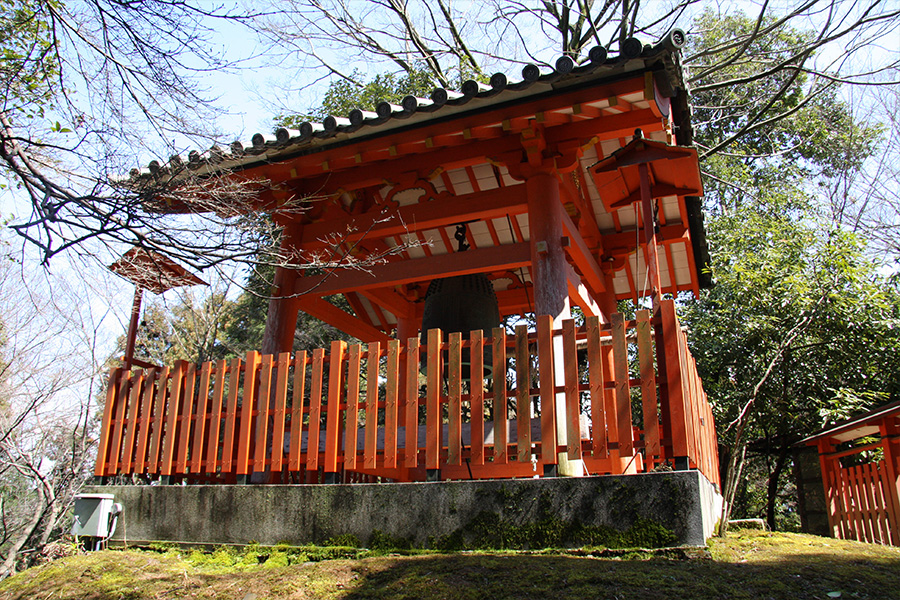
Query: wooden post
point(407, 385)
point(411, 409)
point(133, 326)
point(650, 235)
point(551, 294)
point(499, 406)
point(281, 319)
point(433, 413)
point(333, 410)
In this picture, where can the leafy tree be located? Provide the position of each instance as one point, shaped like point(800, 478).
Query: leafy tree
point(344, 95)
point(799, 331)
point(799, 326)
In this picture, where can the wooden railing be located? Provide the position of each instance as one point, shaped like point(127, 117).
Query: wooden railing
point(614, 398)
point(863, 501)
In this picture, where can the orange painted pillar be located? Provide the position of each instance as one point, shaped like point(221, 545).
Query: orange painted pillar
point(131, 338)
point(548, 259)
point(281, 319)
point(551, 294)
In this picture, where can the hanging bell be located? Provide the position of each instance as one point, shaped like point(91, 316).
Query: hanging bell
point(462, 304)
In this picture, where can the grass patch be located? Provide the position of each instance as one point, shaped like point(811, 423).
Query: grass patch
point(747, 564)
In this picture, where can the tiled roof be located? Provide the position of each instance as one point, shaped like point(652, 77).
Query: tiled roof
point(634, 55)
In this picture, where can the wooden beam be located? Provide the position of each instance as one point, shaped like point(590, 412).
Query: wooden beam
point(481, 260)
point(331, 314)
point(659, 190)
point(515, 301)
point(613, 126)
point(582, 256)
point(624, 243)
point(580, 295)
point(440, 212)
point(390, 300)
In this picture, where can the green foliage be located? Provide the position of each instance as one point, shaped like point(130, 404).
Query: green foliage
point(28, 62)
point(343, 96)
point(787, 128)
point(780, 262)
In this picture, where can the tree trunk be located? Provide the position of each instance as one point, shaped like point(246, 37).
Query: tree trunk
point(772, 488)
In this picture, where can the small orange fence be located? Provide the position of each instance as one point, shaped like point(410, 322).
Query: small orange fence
point(860, 462)
point(866, 497)
point(622, 397)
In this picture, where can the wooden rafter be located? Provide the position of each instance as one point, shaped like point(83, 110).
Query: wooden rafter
point(482, 260)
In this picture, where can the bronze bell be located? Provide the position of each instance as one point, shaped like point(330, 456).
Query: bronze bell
point(462, 303)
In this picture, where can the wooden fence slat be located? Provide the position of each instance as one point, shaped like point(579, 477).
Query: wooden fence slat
point(315, 410)
point(156, 435)
point(849, 505)
point(215, 421)
point(146, 421)
point(185, 418)
point(454, 386)
point(412, 403)
point(476, 396)
point(865, 509)
point(353, 375)
point(231, 416)
point(860, 492)
point(200, 424)
point(843, 505)
point(609, 399)
point(118, 422)
point(859, 528)
point(173, 409)
point(391, 409)
point(263, 398)
point(433, 416)
point(279, 415)
point(370, 454)
point(690, 405)
point(677, 425)
point(134, 405)
point(879, 503)
point(101, 468)
point(498, 405)
point(547, 374)
point(297, 400)
point(523, 395)
point(251, 370)
point(597, 388)
point(871, 483)
point(573, 395)
point(648, 388)
point(623, 393)
point(868, 509)
point(333, 409)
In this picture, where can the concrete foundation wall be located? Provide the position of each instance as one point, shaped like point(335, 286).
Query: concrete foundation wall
point(672, 508)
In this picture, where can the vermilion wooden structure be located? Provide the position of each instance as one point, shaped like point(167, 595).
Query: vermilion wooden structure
point(860, 461)
point(565, 205)
point(151, 271)
point(222, 421)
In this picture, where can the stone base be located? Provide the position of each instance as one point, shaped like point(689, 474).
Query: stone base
point(677, 508)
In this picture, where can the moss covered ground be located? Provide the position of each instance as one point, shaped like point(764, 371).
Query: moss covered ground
point(747, 564)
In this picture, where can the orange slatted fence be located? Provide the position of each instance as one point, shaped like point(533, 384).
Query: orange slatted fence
point(863, 499)
point(622, 397)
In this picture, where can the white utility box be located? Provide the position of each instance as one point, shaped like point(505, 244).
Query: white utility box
point(94, 515)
